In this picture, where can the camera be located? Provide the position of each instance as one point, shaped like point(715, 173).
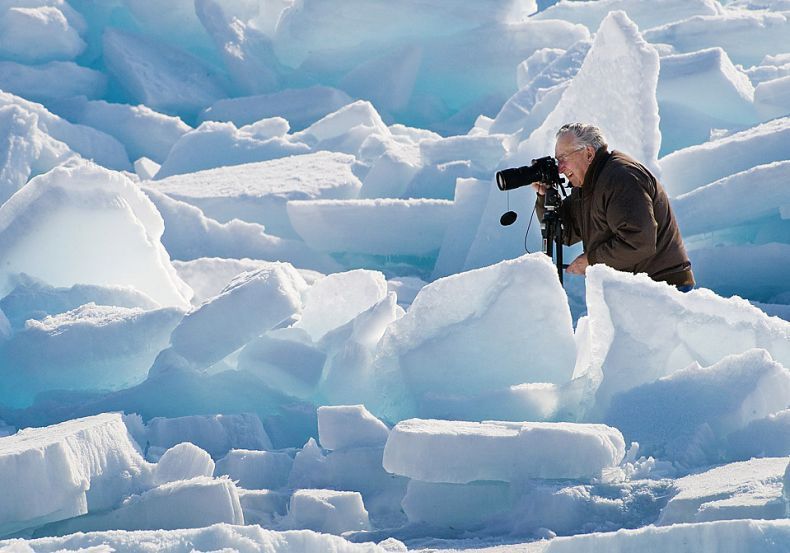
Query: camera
point(543, 170)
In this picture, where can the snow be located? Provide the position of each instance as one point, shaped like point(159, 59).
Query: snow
point(38, 34)
point(233, 231)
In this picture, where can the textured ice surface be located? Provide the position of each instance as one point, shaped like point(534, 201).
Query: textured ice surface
point(34, 32)
point(461, 452)
point(687, 415)
point(64, 470)
point(474, 322)
point(749, 489)
point(627, 349)
point(249, 305)
point(765, 437)
point(193, 503)
point(183, 461)
point(162, 77)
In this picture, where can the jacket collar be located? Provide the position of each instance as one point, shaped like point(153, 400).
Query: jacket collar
point(599, 160)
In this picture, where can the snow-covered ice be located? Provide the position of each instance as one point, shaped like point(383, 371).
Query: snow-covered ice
point(252, 273)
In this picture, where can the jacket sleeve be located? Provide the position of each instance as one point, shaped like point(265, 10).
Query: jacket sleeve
point(570, 211)
point(631, 220)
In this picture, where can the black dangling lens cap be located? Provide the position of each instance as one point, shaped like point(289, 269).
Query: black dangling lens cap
point(508, 218)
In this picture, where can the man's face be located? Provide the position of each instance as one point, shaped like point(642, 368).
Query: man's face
point(573, 160)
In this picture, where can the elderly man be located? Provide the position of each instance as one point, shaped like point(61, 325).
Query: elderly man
point(617, 209)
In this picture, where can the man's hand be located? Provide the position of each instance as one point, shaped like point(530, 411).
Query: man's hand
point(578, 265)
point(540, 188)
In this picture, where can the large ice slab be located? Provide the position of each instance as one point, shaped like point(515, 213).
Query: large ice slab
point(143, 131)
point(688, 111)
point(345, 426)
point(687, 416)
point(215, 144)
point(258, 192)
point(62, 471)
point(208, 276)
point(475, 322)
point(379, 226)
point(336, 299)
point(743, 197)
point(162, 77)
point(630, 349)
point(88, 348)
point(251, 304)
point(749, 489)
point(770, 261)
point(81, 223)
point(33, 299)
point(36, 82)
point(690, 168)
point(461, 452)
point(747, 36)
point(301, 107)
point(190, 235)
point(194, 503)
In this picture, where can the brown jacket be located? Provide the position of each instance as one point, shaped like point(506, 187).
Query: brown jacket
point(622, 215)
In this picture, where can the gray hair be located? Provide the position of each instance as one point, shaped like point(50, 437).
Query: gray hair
point(586, 135)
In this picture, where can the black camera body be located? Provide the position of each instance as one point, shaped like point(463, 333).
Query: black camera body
point(544, 169)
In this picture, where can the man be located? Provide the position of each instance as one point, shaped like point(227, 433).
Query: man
point(617, 209)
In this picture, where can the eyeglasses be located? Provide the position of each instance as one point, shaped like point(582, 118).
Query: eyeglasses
point(564, 157)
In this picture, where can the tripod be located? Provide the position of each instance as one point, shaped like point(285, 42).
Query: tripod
point(551, 226)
